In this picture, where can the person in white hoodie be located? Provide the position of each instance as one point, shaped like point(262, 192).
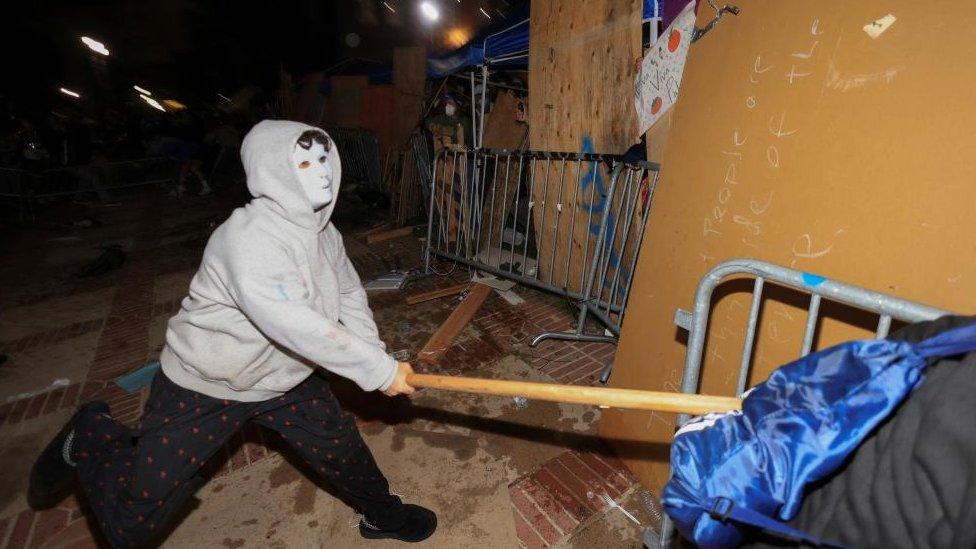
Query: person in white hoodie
point(274, 299)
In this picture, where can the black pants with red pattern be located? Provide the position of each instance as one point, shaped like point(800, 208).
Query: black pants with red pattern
point(137, 480)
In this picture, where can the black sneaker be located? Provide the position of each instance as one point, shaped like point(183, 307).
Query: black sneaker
point(419, 525)
point(53, 473)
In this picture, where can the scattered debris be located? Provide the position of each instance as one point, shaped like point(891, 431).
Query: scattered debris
point(403, 355)
point(520, 402)
point(389, 281)
point(511, 297)
point(610, 501)
point(494, 282)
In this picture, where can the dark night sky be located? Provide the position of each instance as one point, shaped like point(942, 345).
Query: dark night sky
point(192, 49)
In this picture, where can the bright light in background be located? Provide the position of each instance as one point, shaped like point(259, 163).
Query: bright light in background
point(143, 91)
point(430, 11)
point(152, 102)
point(66, 91)
point(389, 7)
point(94, 45)
point(457, 37)
point(173, 105)
point(485, 13)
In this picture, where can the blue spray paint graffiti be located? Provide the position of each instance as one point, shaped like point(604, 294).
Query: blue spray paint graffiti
point(594, 176)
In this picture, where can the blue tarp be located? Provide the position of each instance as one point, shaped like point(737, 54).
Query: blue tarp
point(751, 468)
point(505, 43)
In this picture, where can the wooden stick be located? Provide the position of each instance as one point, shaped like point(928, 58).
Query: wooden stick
point(436, 294)
point(386, 235)
point(434, 350)
point(678, 403)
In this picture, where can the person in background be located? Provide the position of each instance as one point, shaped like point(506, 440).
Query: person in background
point(449, 126)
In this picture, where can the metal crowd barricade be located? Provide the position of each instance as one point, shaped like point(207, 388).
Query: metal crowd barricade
point(887, 308)
point(554, 221)
point(360, 152)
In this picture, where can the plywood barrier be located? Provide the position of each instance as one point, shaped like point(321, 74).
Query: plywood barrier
point(800, 139)
point(582, 62)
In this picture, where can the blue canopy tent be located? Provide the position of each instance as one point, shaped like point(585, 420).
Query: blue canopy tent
point(503, 43)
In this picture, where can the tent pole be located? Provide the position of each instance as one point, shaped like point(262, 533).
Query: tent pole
point(474, 116)
point(484, 101)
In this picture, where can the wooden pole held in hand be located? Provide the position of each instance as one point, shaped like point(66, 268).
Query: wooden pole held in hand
point(660, 401)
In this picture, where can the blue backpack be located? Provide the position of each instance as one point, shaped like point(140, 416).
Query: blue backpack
point(751, 467)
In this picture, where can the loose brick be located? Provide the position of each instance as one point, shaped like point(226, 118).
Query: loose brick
point(76, 535)
point(48, 524)
point(534, 515)
point(617, 466)
point(20, 536)
point(560, 493)
point(547, 502)
point(5, 524)
point(526, 535)
point(53, 401)
point(589, 478)
point(35, 406)
point(5, 411)
point(606, 473)
point(70, 399)
point(576, 486)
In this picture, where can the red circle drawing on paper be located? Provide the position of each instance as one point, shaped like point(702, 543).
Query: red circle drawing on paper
point(656, 105)
point(674, 40)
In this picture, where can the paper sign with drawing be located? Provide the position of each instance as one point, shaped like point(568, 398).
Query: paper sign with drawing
point(656, 85)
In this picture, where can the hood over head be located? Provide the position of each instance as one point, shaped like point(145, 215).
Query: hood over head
point(267, 157)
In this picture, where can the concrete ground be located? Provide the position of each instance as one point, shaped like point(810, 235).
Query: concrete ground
point(498, 473)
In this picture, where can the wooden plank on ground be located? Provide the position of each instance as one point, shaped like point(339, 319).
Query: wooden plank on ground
point(377, 229)
point(386, 235)
point(575, 50)
point(437, 294)
point(438, 344)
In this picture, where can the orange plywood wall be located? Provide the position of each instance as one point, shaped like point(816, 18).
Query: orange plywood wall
point(800, 139)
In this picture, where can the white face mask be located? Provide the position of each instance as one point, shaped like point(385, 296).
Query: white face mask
point(314, 173)
point(450, 109)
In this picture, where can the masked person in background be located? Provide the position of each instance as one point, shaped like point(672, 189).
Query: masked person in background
point(274, 299)
point(449, 127)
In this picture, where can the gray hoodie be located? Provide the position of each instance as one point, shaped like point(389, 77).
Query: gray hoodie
point(275, 295)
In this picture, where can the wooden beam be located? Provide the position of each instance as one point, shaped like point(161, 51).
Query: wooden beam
point(387, 235)
point(436, 294)
point(435, 348)
point(373, 230)
point(660, 401)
